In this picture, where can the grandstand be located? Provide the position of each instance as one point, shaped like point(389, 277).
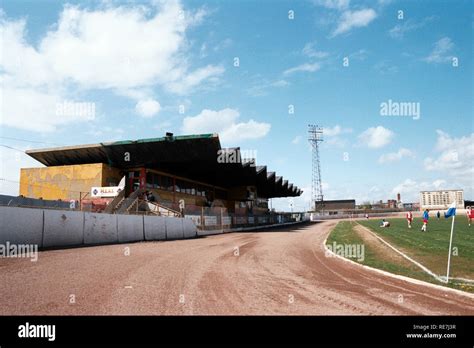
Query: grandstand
point(179, 175)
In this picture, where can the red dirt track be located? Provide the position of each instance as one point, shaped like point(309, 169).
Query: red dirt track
point(282, 271)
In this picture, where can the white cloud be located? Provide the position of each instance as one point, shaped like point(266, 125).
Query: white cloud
point(354, 19)
point(335, 142)
point(203, 50)
point(225, 122)
point(333, 4)
point(119, 47)
point(279, 83)
point(359, 55)
point(441, 52)
point(376, 137)
point(310, 51)
point(223, 44)
point(311, 66)
point(163, 126)
point(396, 156)
point(184, 85)
point(296, 140)
point(148, 107)
point(127, 49)
point(406, 26)
point(336, 130)
point(438, 184)
point(334, 136)
point(455, 162)
point(455, 157)
point(34, 110)
point(301, 203)
point(306, 67)
point(106, 133)
point(262, 88)
point(385, 67)
point(245, 130)
point(12, 161)
point(410, 189)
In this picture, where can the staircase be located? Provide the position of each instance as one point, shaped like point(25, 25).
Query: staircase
point(158, 209)
point(130, 203)
point(116, 202)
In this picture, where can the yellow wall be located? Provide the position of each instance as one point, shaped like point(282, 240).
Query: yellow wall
point(64, 182)
point(111, 176)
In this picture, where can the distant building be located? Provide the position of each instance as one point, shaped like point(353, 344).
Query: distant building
point(441, 199)
point(391, 203)
point(410, 206)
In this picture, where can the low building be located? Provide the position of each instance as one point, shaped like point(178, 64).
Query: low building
point(441, 199)
point(410, 206)
point(339, 204)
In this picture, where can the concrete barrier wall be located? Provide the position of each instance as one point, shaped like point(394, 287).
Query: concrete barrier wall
point(57, 228)
point(130, 228)
point(155, 227)
point(100, 228)
point(63, 228)
point(174, 228)
point(189, 228)
point(21, 226)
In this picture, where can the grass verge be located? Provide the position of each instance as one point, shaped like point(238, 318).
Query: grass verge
point(428, 249)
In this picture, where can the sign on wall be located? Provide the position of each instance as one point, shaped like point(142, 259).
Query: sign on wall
point(110, 191)
point(210, 220)
point(195, 218)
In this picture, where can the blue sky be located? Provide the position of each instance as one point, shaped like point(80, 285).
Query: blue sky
point(152, 67)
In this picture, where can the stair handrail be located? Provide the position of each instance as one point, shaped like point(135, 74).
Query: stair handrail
point(132, 199)
point(175, 212)
point(111, 206)
point(135, 201)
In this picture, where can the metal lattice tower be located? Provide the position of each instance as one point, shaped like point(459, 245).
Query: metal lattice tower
point(315, 136)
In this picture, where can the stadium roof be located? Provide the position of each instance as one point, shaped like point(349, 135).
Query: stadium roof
point(191, 156)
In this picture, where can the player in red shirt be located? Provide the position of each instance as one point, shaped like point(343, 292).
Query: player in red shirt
point(409, 218)
point(469, 214)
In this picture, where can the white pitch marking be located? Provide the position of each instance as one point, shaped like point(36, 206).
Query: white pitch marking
point(440, 278)
point(404, 255)
point(397, 276)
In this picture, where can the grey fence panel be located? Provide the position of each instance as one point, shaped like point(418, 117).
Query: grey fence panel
point(174, 228)
point(130, 228)
point(189, 228)
point(155, 227)
point(63, 228)
point(100, 228)
point(21, 226)
point(57, 228)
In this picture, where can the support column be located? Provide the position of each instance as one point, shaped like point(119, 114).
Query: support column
point(142, 178)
